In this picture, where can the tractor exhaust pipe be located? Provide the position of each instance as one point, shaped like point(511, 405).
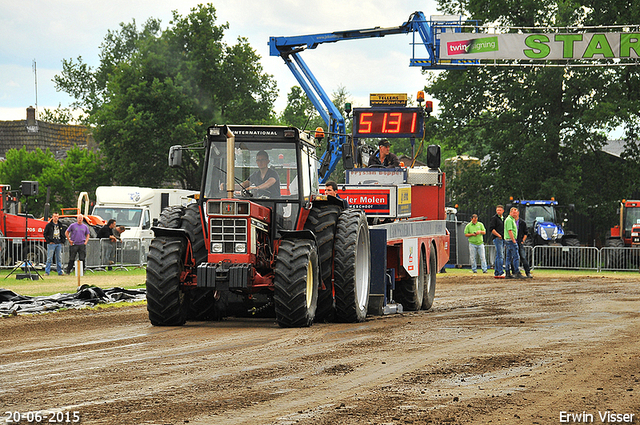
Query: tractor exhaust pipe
point(231, 152)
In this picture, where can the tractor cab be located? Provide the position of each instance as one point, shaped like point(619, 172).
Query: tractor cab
point(272, 166)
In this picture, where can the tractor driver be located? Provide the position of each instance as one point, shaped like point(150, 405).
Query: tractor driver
point(265, 181)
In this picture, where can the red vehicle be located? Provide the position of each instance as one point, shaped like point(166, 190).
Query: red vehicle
point(19, 233)
point(622, 233)
point(302, 256)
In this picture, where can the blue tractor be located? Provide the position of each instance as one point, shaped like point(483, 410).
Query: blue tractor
point(545, 223)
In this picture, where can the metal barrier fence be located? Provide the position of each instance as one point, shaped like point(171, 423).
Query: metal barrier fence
point(573, 258)
point(490, 252)
point(132, 252)
point(566, 257)
point(101, 254)
point(620, 258)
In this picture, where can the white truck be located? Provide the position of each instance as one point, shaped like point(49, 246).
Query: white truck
point(137, 208)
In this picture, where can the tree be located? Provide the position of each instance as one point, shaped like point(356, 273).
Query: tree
point(40, 166)
point(154, 89)
point(533, 127)
point(61, 115)
point(299, 110)
point(81, 171)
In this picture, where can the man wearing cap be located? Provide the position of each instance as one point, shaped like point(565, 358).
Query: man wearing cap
point(383, 157)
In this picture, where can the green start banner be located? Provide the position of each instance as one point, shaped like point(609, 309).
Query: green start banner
point(542, 46)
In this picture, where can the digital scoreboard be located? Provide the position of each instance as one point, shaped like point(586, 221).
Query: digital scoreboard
point(388, 122)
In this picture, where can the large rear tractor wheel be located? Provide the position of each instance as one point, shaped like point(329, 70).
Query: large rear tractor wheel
point(170, 217)
point(429, 278)
point(352, 267)
point(166, 302)
point(571, 259)
point(614, 258)
point(322, 222)
point(192, 224)
point(296, 283)
point(202, 302)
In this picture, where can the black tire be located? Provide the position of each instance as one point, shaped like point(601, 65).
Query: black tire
point(352, 267)
point(192, 224)
point(572, 258)
point(296, 283)
point(429, 279)
point(166, 302)
point(615, 256)
point(410, 291)
point(322, 222)
point(170, 217)
point(202, 300)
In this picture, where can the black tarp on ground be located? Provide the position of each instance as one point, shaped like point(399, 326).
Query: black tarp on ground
point(86, 296)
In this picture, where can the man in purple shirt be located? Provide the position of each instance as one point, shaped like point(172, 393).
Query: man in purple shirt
point(78, 235)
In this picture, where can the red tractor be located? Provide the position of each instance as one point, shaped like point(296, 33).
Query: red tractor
point(624, 234)
point(249, 249)
point(255, 246)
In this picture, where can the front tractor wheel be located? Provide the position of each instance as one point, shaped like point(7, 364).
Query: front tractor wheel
point(296, 283)
point(166, 302)
point(352, 267)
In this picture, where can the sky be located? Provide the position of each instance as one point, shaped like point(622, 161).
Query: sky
point(49, 31)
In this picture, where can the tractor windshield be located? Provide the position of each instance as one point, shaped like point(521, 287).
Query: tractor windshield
point(539, 213)
point(631, 217)
point(262, 170)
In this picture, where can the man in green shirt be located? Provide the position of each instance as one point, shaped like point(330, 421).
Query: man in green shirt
point(474, 232)
point(511, 246)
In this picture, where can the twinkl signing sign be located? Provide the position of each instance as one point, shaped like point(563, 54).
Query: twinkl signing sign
point(550, 46)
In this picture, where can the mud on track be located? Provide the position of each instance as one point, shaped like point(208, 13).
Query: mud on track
point(489, 351)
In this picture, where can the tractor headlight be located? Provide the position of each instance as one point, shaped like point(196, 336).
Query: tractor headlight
point(241, 248)
point(216, 248)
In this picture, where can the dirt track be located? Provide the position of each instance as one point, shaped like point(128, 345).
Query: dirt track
point(490, 351)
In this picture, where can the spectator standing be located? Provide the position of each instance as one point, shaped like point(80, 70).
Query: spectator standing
point(384, 157)
point(53, 232)
point(107, 242)
point(475, 231)
point(496, 229)
point(511, 246)
point(78, 236)
point(522, 236)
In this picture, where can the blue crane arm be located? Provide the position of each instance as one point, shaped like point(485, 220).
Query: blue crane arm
point(279, 45)
point(289, 49)
point(417, 22)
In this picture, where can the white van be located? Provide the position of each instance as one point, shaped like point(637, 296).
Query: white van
point(136, 208)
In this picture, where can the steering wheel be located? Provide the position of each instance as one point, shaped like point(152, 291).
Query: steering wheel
point(260, 193)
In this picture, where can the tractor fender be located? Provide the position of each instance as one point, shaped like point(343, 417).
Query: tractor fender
point(331, 200)
point(298, 234)
point(165, 231)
